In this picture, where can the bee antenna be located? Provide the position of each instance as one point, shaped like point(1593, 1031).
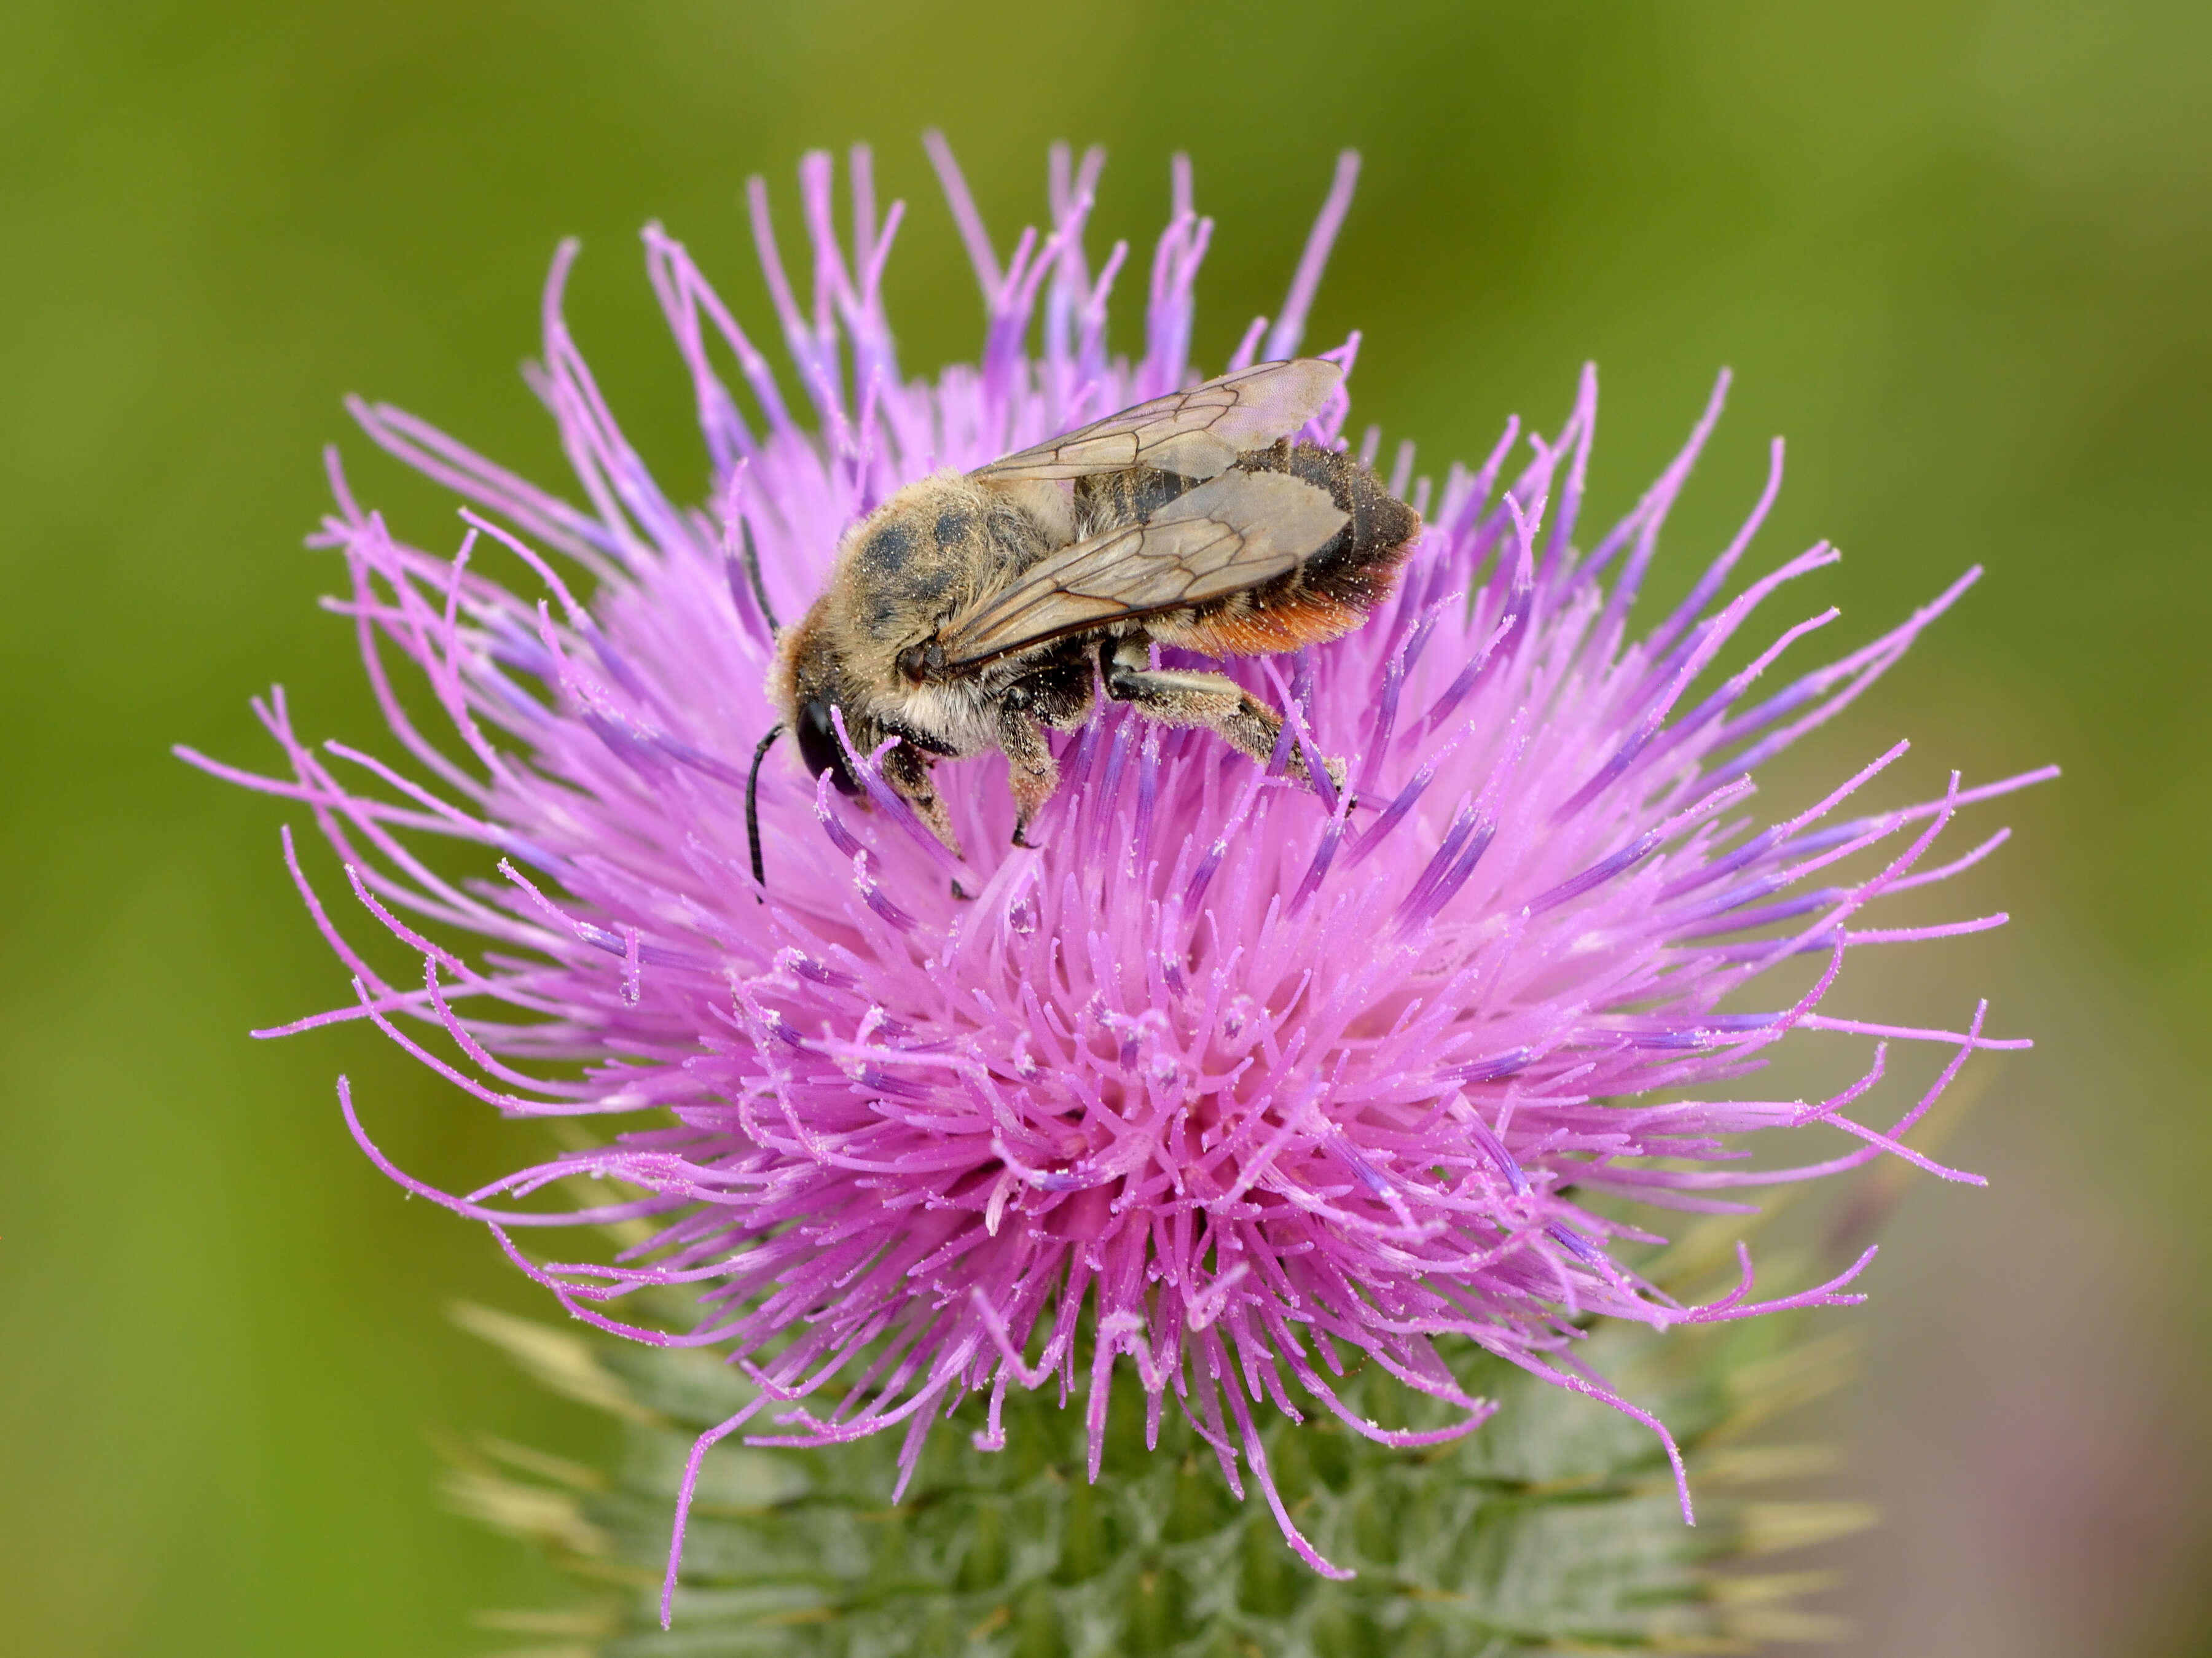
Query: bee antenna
point(752, 805)
point(751, 557)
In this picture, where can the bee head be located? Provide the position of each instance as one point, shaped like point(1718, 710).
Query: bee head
point(808, 681)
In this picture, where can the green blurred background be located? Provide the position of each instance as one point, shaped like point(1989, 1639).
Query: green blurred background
point(1961, 254)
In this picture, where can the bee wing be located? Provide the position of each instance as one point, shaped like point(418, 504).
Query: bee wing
point(1225, 536)
point(1195, 434)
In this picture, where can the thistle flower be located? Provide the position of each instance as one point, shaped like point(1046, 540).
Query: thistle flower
point(1229, 1086)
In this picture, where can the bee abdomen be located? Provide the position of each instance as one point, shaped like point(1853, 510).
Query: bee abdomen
point(1108, 501)
point(1359, 566)
point(1333, 588)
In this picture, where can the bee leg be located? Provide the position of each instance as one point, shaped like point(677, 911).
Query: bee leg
point(1034, 772)
point(1176, 696)
point(905, 768)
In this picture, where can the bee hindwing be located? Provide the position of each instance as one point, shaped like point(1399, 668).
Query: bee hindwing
point(1223, 536)
point(1196, 433)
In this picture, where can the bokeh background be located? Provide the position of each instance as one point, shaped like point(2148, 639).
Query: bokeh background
point(1959, 251)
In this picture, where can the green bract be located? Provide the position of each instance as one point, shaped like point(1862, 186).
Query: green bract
point(1560, 1533)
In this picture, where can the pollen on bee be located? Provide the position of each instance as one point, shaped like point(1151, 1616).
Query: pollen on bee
point(1310, 619)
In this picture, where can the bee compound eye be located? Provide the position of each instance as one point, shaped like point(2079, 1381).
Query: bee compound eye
point(819, 748)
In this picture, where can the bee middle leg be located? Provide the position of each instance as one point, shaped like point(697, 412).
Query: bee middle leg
point(905, 768)
point(1178, 696)
point(1034, 773)
point(1058, 695)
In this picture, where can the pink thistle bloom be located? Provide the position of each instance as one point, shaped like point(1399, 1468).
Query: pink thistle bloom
point(1261, 1077)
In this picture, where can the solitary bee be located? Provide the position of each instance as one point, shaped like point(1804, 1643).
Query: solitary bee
point(970, 611)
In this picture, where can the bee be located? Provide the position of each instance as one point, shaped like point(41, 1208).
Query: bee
point(979, 611)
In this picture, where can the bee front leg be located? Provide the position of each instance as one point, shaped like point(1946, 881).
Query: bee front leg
point(905, 768)
point(1176, 696)
point(1034, 772)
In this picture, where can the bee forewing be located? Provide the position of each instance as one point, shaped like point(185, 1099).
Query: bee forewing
point(1225, 536)
point(1196, 433)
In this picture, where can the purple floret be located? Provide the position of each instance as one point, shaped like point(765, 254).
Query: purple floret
point(1267, 1080)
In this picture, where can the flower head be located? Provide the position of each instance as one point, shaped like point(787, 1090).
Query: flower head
point(1232, 1082)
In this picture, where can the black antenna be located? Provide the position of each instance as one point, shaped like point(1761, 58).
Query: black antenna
point(752, 792)
point(752, 557)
